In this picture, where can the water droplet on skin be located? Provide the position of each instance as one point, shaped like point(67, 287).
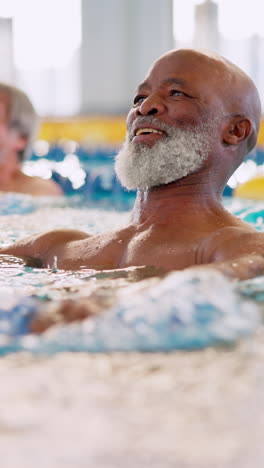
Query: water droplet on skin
point(55, 264)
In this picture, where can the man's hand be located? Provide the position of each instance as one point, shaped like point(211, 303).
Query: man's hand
point(67, 311)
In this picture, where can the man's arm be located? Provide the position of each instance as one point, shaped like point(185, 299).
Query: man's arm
point(237, 253)
point(39, 245)
point(241, 268)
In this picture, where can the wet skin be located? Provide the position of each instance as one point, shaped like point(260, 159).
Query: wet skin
point(181, 224)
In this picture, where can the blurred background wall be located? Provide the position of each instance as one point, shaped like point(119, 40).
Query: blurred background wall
point(82, 57)
point(86, 57)
point(120, 39)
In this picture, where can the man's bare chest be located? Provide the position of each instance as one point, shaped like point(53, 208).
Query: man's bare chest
point(126, 248)
point(167, 250)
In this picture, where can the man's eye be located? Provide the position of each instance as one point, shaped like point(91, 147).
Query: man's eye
point(176, 92)
point(139, 99)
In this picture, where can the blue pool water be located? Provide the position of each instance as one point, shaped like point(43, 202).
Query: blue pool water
point(181, 311)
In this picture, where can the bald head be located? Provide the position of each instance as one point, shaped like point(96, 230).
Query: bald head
point(233, 91)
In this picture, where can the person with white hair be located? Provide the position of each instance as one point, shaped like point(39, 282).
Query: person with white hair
point(18, 126)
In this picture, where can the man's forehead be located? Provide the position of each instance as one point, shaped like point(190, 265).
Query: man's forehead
point(197, 72)
point(185, 69)
point(190, 58)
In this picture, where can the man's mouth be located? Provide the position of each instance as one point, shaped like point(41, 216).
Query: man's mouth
point(147, 131)
point(147, 135)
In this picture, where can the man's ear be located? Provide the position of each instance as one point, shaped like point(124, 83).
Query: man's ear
point(237, 130)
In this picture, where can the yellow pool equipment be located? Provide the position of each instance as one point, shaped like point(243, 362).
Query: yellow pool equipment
point(253, 189)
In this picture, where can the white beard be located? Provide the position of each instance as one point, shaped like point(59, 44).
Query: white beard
point(178, 154)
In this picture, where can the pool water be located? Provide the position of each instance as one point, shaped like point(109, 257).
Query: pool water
point(180, 311)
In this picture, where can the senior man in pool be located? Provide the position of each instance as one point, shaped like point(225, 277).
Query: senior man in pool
point(194, 118)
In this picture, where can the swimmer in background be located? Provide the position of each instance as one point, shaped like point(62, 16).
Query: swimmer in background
point(18, 125)
point(194, 119)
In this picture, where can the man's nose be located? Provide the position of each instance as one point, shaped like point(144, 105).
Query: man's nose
point(150, 106)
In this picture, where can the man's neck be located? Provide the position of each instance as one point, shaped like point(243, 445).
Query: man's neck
point(178, 201)
point(10, 178)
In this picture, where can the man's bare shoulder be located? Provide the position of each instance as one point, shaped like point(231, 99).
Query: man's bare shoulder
point(42, 187)
point(231, 242)
point(72, 248)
